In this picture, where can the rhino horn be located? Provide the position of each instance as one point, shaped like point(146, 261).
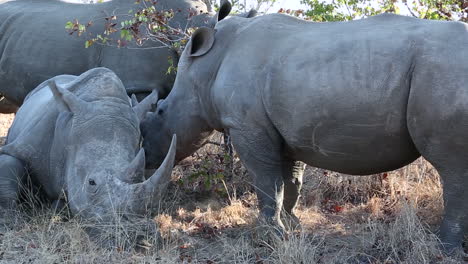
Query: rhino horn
point(66, 100)
point(146, 104)
point(163, 174)
point(133, 100)
point(135, 172)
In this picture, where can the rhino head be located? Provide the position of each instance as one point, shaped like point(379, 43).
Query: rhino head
point(188, 110)
point(98, 141)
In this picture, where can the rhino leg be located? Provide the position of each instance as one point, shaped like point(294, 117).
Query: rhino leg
point(12, 172)
point(261, 154)
point(438, 129)
point(450, 161)
point(292, 191)
point(455, 223)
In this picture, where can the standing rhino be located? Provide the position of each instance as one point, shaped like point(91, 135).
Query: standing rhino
point(356, 97)
point(34, 45)
point(79, 135)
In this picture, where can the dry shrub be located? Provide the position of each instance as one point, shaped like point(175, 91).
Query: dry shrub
point(322, 185)
point(405, 239)
point(45, 237)
point(298, 248)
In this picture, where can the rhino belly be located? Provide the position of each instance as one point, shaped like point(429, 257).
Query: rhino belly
point(352, 133)
point(357, 149)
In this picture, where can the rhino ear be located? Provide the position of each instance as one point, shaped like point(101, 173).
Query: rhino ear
point(224, 10)
point(250, 14)
point(201, 42)
point(65, 99)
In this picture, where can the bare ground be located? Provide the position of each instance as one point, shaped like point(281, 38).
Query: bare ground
point(209, 216)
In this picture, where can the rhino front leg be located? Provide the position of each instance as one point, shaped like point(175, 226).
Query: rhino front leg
point(292, 191)
point(261, 154)
point(12, 172)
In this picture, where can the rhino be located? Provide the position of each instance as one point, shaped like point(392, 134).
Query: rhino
point(358, 97)
point(34, 45)
point(77, 138)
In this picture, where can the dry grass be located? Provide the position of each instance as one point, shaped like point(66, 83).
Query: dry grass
point(386, 218)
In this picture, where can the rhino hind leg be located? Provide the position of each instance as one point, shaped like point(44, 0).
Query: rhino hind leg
point(449, 156)
point(12, 173)
point(454, 223)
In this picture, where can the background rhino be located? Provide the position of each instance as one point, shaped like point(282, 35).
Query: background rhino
point(80, 136)
point(356, 97)
point(34, 45)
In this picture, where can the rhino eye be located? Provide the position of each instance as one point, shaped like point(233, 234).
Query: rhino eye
point(92, 182)
point(160, 112)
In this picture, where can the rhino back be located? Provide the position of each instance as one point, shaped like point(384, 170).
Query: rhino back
point(34, 46)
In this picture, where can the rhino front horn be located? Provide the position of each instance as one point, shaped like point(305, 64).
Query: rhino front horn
point(163, 173)
point(150, 191)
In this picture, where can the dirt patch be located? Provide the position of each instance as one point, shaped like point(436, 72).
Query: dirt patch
point(5, 123)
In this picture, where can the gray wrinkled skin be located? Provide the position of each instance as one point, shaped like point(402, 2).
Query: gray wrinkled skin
point(34, 45)
point(356, 97)
point(79, 136)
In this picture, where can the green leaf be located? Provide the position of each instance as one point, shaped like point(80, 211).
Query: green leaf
point(88, 43)
point(69, 25)
point(124, 33)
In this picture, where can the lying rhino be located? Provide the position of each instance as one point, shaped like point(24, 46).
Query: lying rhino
point(34, 45)
point(356, 97)
point(79, 135)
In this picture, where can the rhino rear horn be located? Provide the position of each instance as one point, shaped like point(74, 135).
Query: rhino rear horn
point(133, 100)
point(146, 105)
point(135, 171)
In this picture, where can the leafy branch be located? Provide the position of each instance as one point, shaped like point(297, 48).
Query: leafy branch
point(345, 10)
point(146, 24)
